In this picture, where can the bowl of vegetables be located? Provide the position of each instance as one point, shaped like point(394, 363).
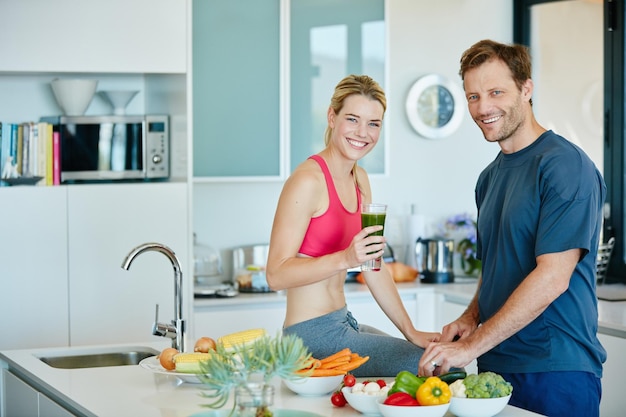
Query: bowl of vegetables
point(411, 410)
point(413, 396)
point(314, 386)
point(479, 395)
point(362, 396)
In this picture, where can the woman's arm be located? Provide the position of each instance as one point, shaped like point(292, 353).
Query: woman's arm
point(385, 292)
point(305, 196)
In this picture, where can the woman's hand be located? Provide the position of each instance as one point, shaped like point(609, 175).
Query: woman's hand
point(422, 339)
point(365, 247)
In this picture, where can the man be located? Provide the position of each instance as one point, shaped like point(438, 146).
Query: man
point(534, 316)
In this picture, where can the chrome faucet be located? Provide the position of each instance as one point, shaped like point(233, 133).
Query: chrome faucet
point(175, 331)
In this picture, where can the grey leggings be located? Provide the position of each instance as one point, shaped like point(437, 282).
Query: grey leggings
point(334, 331)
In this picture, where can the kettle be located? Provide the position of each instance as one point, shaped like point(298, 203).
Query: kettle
point(434, 260)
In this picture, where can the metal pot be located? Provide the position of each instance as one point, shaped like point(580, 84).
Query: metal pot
point(434, 260)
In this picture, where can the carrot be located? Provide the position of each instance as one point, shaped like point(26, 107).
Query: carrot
point(342, 352)
point(342, 360)
point(327, 372)
point(353, 364)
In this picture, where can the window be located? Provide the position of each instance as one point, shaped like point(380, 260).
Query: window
point(601, 103)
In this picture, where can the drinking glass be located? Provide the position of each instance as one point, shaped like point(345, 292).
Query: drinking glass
point(373, 214)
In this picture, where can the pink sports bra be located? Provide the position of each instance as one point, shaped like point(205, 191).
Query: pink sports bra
point(332, 231)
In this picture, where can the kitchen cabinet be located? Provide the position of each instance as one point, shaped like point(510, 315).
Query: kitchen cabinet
point(62, 249)
point(366, 311)
point(34, 278)
point(613, 402)
point(236, 88)
point(262, 80)
point(21, 400)
point(107, 303)
point(48, 408)
point(217, 319)
point(103, 36)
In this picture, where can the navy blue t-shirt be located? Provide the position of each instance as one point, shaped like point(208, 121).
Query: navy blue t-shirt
point(546, 198)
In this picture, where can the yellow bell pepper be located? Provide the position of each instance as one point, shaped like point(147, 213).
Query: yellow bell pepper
point(433, 392)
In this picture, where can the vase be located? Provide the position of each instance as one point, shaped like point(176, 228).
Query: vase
point(254, 400)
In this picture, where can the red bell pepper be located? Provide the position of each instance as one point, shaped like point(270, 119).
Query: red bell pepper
point(401, 399)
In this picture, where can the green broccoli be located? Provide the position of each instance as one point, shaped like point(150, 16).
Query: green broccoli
point(486, 385)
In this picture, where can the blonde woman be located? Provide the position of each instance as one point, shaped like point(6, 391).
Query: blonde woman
point(317, 236)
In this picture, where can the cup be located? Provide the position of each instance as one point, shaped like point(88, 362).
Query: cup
point(373, 214)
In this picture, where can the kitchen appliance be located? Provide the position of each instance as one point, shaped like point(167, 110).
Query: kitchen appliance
point(114, 147)
point(434, 260)
point(208, 274)
point(249, 268)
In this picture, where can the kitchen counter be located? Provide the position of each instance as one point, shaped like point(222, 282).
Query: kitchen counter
point(134, 391)
point(611, 314)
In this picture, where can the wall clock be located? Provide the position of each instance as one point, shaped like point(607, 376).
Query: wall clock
point(434, 106)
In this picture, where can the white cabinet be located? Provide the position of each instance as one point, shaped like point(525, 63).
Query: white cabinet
point(221, 319)
point(48, 408)
point(34, 278)
point(613, 401)
point(18, 398)
point(21, 400)
point(106, 36)
point(62, 249)
point(217, 317)
point(366, 311)
point(107, 303)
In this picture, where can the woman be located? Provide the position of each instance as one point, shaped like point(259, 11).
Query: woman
point(317, 236)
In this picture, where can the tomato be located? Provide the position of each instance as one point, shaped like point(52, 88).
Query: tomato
point(381, 383)
point(338, 399)
point(349, 380)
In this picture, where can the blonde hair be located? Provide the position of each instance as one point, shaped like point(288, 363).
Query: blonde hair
point(351, 85)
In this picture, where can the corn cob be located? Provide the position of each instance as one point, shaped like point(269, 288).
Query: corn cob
point(190, 362)
point(243, 338)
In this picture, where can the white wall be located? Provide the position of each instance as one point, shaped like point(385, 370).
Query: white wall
point(424, 36)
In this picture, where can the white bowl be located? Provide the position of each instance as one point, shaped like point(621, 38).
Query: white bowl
point(412, 411)
point(314, 386)
point(478, 407)
point(73, 95)
point(119, 99)
point(363, 403)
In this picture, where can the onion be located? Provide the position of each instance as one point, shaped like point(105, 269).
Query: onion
point(204, 344)
point(166, 358)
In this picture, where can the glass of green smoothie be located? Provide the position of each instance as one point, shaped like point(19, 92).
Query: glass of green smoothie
point(373, 214)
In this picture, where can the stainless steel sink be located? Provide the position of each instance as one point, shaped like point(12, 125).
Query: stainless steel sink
point(99, 359)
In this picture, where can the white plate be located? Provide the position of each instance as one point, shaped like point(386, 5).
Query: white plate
point(152, 364)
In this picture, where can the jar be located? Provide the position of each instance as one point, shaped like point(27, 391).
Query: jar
point(254, 400)
point(207, 264)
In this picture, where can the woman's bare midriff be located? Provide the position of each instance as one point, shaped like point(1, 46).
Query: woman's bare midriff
point(315, 300)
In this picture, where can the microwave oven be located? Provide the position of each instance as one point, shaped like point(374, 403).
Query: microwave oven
point(112, 148)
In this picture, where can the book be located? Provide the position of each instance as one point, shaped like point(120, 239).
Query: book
point(48, 154)
point(56, 158)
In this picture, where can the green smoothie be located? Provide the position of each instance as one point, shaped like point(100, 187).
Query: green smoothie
point(372, 219)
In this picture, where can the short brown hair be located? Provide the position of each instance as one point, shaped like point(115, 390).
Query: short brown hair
point(516, 57)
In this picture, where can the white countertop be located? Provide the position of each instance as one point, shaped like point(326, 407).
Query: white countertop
point(134, 391)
